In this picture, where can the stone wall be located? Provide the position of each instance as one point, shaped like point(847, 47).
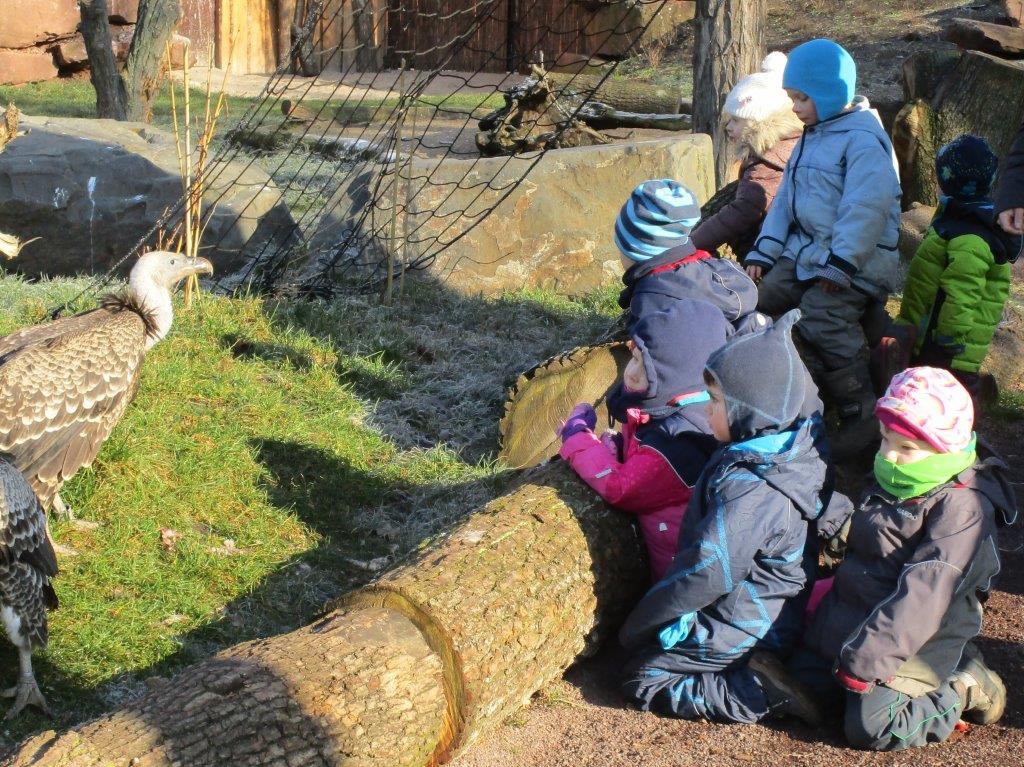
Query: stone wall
point(552, 230)
point(39, 39)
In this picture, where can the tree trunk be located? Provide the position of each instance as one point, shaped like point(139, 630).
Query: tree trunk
point(620, 94)
point(728, 45)
point(406, 671)
point(365, 21)
point(603, 117)
point(285, 15)
point(979, 94)
point(111, 98)
point(157, 20)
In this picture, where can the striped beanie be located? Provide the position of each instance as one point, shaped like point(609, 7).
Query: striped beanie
point(658, 215)
point(931, 405)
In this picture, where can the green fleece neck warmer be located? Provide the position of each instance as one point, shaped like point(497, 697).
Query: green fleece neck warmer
point(909, 480)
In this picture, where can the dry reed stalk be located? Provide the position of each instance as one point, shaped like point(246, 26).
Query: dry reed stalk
point(192, 161)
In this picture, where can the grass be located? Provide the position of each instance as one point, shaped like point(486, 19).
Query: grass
point(273, 451)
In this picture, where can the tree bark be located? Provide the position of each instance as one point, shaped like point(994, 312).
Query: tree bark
point(406, 671)
point(157, 20)
point(979, 94)
point(111, 97)
point(364, 19)
point(729, 44)
point(603, 117)
point(285, 15)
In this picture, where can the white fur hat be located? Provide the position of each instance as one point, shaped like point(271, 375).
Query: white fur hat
point(760, 95)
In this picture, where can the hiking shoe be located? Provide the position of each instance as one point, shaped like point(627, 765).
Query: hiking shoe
point(981, 691)
point(786, 695)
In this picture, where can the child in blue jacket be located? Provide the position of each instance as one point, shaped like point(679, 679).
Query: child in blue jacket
point(705, 637)
point(829, 242)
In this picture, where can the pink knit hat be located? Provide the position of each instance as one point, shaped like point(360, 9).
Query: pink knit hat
point(929, 404)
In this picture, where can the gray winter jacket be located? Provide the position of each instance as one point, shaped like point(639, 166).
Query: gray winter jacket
point(905, 598)
point(837, 213)
point(746, 554)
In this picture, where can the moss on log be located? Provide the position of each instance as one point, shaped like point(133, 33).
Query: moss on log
point(406, 671)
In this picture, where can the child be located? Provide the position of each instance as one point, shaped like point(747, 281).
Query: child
point(746, 551)
point(665, 439)
point(662, 265)
point(959, 279)
point(896, 628)
point(829, 242)
point(763, 130)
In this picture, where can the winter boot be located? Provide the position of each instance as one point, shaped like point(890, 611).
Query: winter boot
point(891, 355)
point(786, 696)
point(851, 391)
point(980, 689)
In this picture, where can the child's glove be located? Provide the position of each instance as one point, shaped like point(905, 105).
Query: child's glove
point(835, 545)
point(582, 418)
point(850, 682)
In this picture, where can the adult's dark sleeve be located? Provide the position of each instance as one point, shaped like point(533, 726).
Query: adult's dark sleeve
point(1010, 192)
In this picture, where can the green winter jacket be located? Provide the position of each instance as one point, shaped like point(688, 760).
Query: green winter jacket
point(958, 282)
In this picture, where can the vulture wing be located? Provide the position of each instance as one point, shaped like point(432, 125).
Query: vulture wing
point(27, 559)
point(63, 387)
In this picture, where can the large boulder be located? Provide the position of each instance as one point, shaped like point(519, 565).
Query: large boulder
point(91, 189)
point(25, 66)
point(551, 229)
point(26, 22)
point(617, 26)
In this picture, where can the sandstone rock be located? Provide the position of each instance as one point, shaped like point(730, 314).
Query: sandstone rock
point(91, 189)
point(1013, 10)
point(25, 66)
point(553, 230)
point(620, 24)
point(996, 39)
point(71, 55)
point(180, 46)
point(123, 11)
point(24, 23)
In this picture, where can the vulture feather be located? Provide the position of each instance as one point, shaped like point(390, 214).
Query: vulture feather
point(27, 562)
point(65, 384)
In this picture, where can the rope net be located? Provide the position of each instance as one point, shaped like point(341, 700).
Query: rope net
point(379, 168)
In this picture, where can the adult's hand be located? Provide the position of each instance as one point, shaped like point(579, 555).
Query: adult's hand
point(829, 287)
point(1012, 221)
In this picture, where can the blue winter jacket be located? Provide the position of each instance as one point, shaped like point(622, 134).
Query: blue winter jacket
point(837, 212)
point(686, 273)
point(747, 553)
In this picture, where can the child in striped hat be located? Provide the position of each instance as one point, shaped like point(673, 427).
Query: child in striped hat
point(663, 266)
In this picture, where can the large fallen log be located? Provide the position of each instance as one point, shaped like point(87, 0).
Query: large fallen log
point(627, 95)
point(404, 672)
point(979, 94)
point(603, 117)
point(997, 39)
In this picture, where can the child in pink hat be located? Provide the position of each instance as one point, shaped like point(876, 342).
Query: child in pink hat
point(892, 641)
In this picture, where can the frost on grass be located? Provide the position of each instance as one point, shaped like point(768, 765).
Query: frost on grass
point(434, 369)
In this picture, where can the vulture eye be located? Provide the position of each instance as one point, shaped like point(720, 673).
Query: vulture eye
point(173, 261)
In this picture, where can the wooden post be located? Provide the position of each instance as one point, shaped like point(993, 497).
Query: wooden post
point(729, 44)
point(395, 168)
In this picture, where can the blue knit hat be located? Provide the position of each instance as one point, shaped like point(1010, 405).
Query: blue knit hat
point(658, 215)
point(825, 72)
point(966, 168)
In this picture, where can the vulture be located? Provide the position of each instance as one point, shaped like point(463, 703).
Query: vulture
point(27, 562)
point(65, 384)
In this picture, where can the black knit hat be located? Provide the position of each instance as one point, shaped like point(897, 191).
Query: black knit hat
point(763, 379)
point(966, 168)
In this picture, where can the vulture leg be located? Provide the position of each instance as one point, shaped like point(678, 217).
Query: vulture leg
point(61, 509)
point(26, 691)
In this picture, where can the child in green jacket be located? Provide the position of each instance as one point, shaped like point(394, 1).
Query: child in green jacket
point(959, 278)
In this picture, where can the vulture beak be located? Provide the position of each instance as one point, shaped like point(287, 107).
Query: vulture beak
point(199, 265)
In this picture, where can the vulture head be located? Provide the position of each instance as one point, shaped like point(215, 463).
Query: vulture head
point(154, 277)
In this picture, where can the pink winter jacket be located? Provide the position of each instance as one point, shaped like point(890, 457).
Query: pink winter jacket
point(644, 483)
